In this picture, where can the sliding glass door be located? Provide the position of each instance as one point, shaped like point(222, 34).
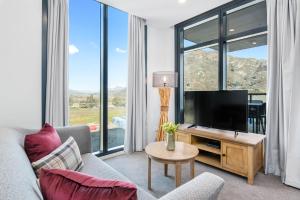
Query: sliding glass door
point(98, 72)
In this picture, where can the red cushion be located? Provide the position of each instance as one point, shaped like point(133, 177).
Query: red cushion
point(40, 144)
point(58, 184)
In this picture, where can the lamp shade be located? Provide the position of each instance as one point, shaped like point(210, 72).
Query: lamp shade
point(165, 79)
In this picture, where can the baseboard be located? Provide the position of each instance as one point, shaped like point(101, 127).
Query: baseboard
point(295, 184)
point(112, 155)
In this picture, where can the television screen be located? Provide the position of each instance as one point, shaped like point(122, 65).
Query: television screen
point(217, 109)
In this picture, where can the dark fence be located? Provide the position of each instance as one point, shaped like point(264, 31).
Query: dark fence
point(257, 96)
point(257, 112)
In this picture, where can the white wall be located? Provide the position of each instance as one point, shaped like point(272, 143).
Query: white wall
point(160, 58)
point(20, 63)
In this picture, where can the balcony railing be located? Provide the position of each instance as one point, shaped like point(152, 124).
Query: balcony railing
point(260, 96)
point(257, 112)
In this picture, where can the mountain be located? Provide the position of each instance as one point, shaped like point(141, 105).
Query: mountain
point(117, 91)
point(201, 72)
point(82, 93)
point(112, 92)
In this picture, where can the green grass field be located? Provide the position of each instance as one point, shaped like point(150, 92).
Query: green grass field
point(80, 116)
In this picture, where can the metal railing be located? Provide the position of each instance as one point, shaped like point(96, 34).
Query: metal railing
point(251, 95)
point(257, 113)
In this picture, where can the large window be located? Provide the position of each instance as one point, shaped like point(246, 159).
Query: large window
point(246, 47)
point(84, 70)
point(225, 49)
point(98, 72)
point(247, 64)
point(201, 55)
point(117, 76)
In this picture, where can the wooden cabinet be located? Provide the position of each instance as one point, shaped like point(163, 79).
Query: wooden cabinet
point(242, 154)
point(235, 158)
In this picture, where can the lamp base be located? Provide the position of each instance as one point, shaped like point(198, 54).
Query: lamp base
point(164, 111)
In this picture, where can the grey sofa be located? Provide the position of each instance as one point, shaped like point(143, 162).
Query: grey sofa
point(18, 181)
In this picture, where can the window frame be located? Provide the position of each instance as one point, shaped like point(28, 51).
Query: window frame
point(222, 40)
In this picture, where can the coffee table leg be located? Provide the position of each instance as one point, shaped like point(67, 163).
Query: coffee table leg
point(192, 167)
point(166, 169)
point(149, 173)
point(178, 174)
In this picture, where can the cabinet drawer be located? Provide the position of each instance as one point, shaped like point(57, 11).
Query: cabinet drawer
point(183, 137)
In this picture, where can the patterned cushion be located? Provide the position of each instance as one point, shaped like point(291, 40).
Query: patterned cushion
point(66, 156)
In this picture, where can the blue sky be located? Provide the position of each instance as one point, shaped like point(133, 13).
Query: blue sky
point(85, 46)
point(256, 52)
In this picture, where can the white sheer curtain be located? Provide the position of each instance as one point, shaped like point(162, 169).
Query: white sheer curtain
point(57, 63)
point(283, 112)
point(135, 138)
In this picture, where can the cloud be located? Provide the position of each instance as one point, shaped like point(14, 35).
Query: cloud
point(119, 50)
point(73, 49)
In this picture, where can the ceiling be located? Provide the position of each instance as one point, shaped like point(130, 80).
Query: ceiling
point(243, 20)
point(164, 13)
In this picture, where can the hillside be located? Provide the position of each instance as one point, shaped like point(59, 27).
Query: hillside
point(112, 92)
point(201, 72)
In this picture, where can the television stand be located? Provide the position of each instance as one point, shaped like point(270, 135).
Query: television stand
point(241, 154)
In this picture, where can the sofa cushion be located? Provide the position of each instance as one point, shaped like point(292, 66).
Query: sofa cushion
point(17, 179)
point(66, 156)
point(81, 134)
point(67, 184)
point(40, 144)
point(96, 167)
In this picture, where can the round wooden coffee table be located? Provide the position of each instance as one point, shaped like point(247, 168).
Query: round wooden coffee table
point(183, 153)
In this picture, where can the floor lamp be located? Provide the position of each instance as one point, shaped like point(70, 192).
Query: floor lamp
point(164, 80)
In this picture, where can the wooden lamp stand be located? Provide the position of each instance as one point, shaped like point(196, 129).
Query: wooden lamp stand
point(164, 94)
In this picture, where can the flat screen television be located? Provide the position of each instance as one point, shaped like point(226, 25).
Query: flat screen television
point(217, 109)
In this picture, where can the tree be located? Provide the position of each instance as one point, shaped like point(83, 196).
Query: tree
point(71, 100)
point(118, 101)
point(91, 101)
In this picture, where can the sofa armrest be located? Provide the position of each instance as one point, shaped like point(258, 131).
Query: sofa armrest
point(206, 186)
point(81, 134)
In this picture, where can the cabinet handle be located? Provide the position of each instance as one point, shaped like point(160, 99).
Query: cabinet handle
point(223, 154)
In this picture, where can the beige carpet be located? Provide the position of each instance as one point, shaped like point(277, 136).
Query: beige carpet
point(236, 188)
